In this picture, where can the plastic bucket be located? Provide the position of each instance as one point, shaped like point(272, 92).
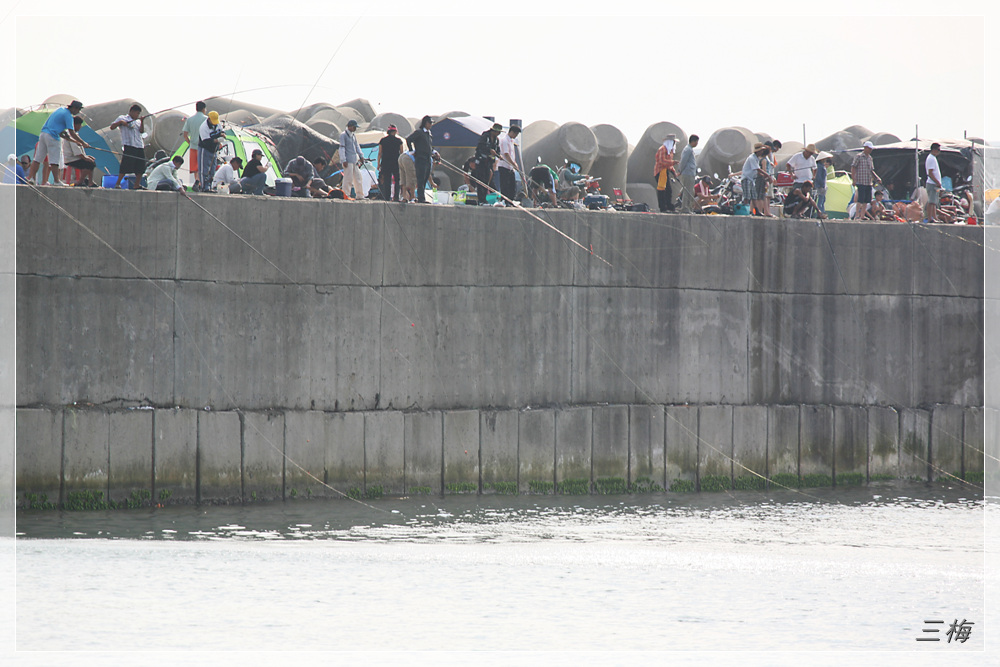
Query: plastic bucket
point(283, 187)
point(108, 181)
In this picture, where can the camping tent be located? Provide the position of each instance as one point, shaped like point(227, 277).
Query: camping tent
point(239, 142)
point(20, 135)
point(898, 165)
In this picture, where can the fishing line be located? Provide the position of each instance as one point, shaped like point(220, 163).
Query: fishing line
point(336, 51)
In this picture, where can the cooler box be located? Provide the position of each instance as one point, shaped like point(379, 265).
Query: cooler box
point(283, 187)
point(783, 178)
point(595, 202)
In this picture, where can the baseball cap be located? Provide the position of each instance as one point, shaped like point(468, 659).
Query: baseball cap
point(352, 122)
point(76, 103)
point(869, 144)
point(213, 117)
point(392, 128)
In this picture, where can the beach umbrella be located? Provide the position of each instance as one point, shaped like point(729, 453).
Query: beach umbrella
point(20, 135)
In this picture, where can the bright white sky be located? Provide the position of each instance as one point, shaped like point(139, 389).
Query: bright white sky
point(768, 73)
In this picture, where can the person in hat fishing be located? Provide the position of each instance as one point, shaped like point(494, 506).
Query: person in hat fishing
point(131, 126)
point(864, 177)
point(754, 179)
point(663, 168)
point(802, 165)
point(823, 162)
point(351, 159)
point(487, 150)
point(59, 124)
point(254, 176)
point(389, 148)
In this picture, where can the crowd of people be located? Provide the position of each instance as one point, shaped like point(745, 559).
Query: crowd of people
point(404, 168)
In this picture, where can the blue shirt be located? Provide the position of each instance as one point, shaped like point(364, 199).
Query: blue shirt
point(688, 165)
point(59, 120)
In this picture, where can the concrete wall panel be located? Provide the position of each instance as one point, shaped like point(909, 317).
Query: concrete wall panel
point(645, 445)
point(883, 443)
point(574, 447)
point(947, 423)
point(384, 459)
point(264, 457)
point(220, 460)
point(536, 436)
point(715, 444)
point(499, 442)
point(914, 443)
point(816, 445)
point(346, 453)
point(305, 446)
point(130, 453)
point(973, 451)
point(175, 443)
point(461, 448)
point(85, 453)
point(783, 441)
point(749, 446)
point(611, 442)
point(39, 435)
point(850, 444)
point(423, 451)
point(680, 442)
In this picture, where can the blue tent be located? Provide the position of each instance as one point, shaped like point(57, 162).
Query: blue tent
point(463, 132)
point(21, 135)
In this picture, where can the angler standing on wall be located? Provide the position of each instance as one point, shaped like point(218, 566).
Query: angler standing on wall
point(209, 142)
point(663, 168)
point(190, 131)
point(351, 159)
point(133, 161)
point(421, 143)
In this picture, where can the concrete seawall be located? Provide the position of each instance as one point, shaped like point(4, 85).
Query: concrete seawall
point(374, 342)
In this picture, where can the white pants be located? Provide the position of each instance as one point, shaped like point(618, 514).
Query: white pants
point(352, 177)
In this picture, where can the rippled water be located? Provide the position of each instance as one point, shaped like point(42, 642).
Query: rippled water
point(860, 569)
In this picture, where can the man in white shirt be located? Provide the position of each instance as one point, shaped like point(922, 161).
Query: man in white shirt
point(229, 174)
point(803, 165)
point(933, 181)
point(133, 155)
point(164, 176)
point(507, 164)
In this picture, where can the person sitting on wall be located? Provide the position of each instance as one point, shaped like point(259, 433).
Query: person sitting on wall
point(568, 175)
point(254, 176)
point(228, 175)
point(76, 157)
point(703, 193)
point(164, 176)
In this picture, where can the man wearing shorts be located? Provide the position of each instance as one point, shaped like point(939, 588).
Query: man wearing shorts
point(133, 155)
point(77, 158)
point(933, 181)
point(863, 175)
point(59, 123)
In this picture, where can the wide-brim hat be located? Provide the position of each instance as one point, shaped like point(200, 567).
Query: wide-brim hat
point(823, 155)
point(758, 147)
point(497, 127)
point(812, 149)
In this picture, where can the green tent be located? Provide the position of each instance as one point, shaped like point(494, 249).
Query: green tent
point(839, 192)
point(238, 142)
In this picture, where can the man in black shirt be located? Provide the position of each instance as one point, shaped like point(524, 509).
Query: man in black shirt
point(487, 150)
point(420, 142)
point(389, 149)
point(254, 174)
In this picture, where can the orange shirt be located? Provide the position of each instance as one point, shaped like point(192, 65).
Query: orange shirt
point(664, 160)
